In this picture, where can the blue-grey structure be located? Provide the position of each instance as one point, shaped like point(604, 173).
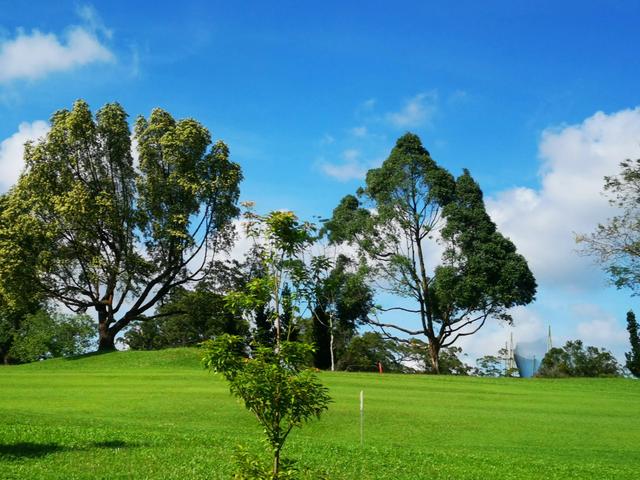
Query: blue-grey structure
point(529, 355)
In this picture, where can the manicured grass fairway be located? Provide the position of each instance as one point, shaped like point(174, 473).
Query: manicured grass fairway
point(159, 415)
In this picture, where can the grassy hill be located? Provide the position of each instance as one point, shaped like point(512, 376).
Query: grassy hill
point(159, 415)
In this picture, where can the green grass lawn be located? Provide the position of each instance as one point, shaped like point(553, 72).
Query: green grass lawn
point(159, 415)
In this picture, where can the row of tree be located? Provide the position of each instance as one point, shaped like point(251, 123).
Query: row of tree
point(142, 245)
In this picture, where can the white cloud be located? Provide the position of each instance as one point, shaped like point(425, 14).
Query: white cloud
point(12, 151)
point(368, 104)
point(416, 111)
point(327, 139)
point(599, 327)
point(351, 154)
point(36, 54)
point(543, 222)
point(458, 96)
point(360, 131)
point(527, 327)
point(350, 169)
point(344, 172)
point(93, 20)
point(243, 243)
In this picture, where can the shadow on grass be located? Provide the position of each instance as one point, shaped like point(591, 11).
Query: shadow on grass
point(16, 451)
point(25, 450)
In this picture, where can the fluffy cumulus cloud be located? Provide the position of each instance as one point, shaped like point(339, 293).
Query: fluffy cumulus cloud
point(34, 55)
point(12, 149)
point(543, 222)
point(598, 327)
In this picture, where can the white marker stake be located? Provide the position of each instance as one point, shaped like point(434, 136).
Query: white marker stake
point(361, 418)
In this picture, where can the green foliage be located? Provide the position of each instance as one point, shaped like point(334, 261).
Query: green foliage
point(405, 205)
point(495, 365)
point(365, 351)
point(615, 243)
point(43, 335)
point(416, 354)
point(450, 362)
point(633, 357)
point(574, 360)
point(490, 366)
point(270, 298)
point(340, 300)
point(19, 295)
point(186, 318)
point(108, 236)
point(11, 323)
point(252, 467)
point(274, 384)
point(290, 330)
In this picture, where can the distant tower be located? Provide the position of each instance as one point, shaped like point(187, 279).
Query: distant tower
point(511, 363)
point(549, 343)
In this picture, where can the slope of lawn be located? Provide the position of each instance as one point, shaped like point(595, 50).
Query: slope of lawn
point(159, 415)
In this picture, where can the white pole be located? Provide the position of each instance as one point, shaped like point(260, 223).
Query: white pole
point(361, 418)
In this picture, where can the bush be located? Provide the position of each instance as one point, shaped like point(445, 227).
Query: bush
point(575, 360)
point(44, 335)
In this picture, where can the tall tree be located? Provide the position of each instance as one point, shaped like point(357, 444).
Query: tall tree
point(409, 201)
point(633, 357)
point(120, 236)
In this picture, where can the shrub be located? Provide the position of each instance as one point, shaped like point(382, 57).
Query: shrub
point(575, 360)
point(275, 384)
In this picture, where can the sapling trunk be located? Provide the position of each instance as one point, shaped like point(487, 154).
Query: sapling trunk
point(333, 366)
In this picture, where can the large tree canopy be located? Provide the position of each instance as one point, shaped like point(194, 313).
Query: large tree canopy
point(407, 204)
point(113, 235)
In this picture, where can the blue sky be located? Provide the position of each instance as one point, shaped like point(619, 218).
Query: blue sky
point(309, 96)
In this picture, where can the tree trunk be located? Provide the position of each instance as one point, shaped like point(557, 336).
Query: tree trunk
point(5, 358)
point(106, 342)
point(106, 337)
point(434, 355)
point(333, 366)
point(276, 463)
